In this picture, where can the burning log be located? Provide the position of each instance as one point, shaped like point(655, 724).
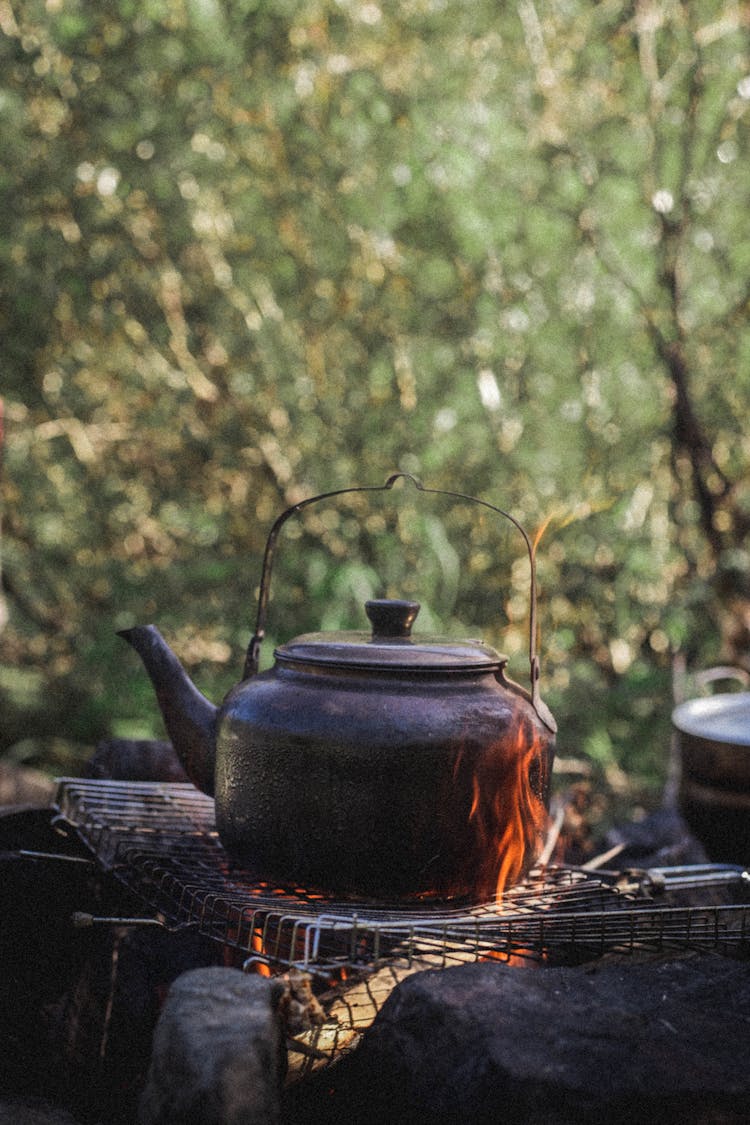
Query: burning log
point(349, 1011)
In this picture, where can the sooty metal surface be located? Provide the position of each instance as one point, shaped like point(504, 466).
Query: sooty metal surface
point(160, 841)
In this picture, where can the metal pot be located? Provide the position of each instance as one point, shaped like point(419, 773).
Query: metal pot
point(713, 733)
point(373, 763)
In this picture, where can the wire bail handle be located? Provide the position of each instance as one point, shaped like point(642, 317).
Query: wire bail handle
point(252, 659)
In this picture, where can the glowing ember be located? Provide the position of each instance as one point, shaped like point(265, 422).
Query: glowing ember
point(257, 945)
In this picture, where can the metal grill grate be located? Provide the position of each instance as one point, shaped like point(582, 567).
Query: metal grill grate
point(160, 840)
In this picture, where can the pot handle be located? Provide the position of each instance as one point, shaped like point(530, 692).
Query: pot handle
point(253, 653)
point(722, 672)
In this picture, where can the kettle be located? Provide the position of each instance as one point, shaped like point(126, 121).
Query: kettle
point(374, 763)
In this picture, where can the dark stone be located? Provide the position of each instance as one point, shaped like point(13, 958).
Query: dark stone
point(33, 1111)
point(78, 1006)
point(662, 839)
point(128, 759)
point(486, 1044)
point(30, 828)
point(218, 1053)
point(720, 818)
point(107, 1020)
point(40, 949)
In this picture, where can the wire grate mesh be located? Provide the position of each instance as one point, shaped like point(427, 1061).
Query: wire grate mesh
point(160, 840)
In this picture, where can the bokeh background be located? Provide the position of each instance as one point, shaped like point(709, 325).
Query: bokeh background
point(251, 251)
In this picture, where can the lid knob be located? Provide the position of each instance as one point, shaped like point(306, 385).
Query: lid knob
point(391, 617)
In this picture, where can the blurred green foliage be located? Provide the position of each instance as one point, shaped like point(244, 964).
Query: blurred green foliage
point(253, 251)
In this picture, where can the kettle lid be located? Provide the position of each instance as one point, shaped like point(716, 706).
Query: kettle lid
point(390, 646)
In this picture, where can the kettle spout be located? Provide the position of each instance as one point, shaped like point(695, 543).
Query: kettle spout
point(189, 717)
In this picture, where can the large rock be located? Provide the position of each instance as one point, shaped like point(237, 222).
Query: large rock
point(135, 759)
point(218, 1052)
point(483, 1043)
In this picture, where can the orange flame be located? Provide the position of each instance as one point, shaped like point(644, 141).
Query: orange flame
point(508, 810)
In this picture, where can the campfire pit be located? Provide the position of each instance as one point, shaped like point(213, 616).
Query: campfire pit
point(160, 841)
point(184, 902)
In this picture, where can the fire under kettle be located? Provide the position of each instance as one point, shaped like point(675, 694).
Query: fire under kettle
point(369, 763)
